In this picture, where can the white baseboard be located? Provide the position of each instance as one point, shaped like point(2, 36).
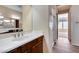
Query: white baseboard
point(75, 44)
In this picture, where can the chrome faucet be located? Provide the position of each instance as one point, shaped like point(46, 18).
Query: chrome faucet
point(19, 33)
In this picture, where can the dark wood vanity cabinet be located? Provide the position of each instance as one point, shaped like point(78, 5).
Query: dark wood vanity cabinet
point(35, 46)
point(38, 47)
point(16, 50)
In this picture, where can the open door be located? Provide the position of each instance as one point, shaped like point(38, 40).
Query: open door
point(53, 24)
point(55, 29)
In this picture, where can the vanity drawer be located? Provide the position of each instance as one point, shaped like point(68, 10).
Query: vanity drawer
point(38, 48)
point(27, 47)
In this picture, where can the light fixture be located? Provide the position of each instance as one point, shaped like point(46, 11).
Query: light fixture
point(15, 17)
point(1, 17)
point(6, 20)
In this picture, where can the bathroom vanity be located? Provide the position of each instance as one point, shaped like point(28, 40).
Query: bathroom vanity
point(34, 46)
point(29, 43)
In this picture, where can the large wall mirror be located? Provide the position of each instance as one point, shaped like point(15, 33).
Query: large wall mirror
point(8, 23)
point(10, 18)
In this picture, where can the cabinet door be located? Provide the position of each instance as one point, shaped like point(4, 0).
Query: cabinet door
point(26, 48)
point(38, 48)
point(17, 50)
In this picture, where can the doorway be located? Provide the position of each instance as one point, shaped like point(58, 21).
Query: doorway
point(63, 44)
point(63, 25)
point(64, 22)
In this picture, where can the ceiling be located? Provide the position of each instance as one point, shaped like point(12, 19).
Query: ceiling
point(60, 8)
point(15, 7)
point(63, 8)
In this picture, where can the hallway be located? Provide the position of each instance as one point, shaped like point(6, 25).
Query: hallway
point(63, 46)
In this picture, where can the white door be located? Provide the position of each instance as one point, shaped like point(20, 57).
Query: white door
point(53, 24)
point(55, 29)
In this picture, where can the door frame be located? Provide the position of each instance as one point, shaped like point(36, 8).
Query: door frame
point(57, 24)
point(69, 23)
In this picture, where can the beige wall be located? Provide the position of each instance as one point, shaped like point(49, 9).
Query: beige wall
point(40, 21)
point(27, 18)
point(41, 16)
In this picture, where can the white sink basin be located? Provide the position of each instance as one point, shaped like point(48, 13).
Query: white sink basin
point(21, 38)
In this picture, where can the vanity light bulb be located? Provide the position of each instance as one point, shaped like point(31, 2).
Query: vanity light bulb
point(15, 17)
point(1, 17)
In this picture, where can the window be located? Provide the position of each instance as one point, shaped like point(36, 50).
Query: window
point(63, 21)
